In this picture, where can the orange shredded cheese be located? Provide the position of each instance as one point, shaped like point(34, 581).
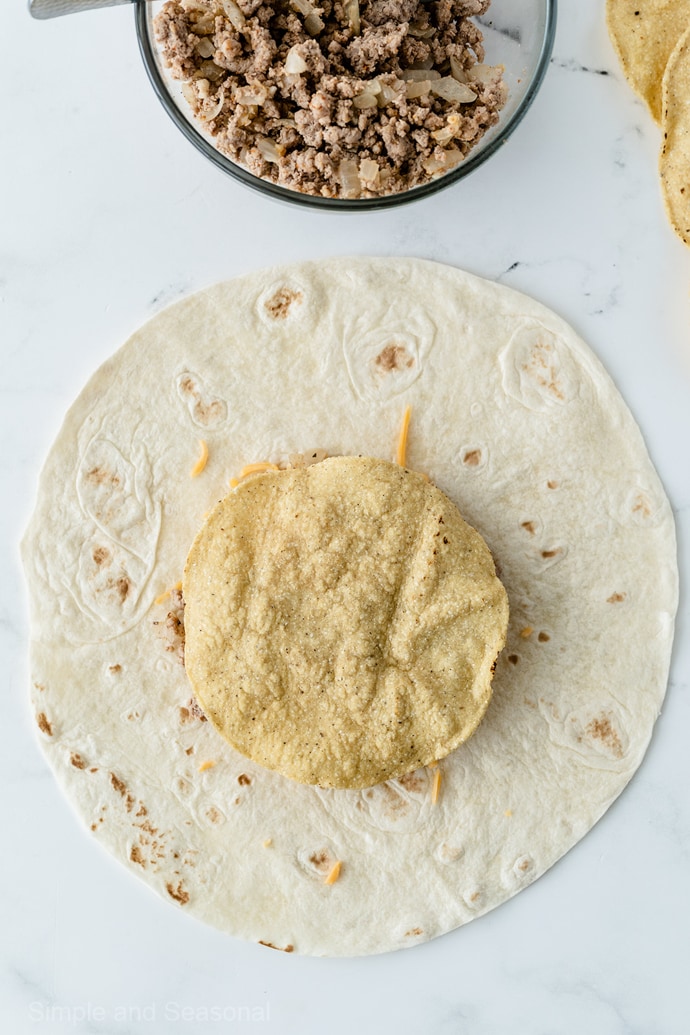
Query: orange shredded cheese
point(432, 765)
point(401, 456)
point(333, 873)
point(201, 462)
point(508, 813)
point(162, 597)
point(268, 842)
point(258, 468)
point(436, 786)
point(209, 764)
point(526, 632)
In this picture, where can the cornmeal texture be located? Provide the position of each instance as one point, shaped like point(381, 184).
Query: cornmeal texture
point(342, 622)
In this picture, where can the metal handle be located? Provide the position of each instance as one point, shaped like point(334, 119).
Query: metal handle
point(43, 9)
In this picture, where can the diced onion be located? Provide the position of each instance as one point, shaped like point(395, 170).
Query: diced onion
point(294, 62)
point(209, 70)
point(352, 12)
point(189, 93)
point(485, 74)
point(234, 14)
point(208, 116)
point(205, 48)
point(364, 100)
point(412, 74)
point(348, 174)
point(268, 150)
point(456, 70)
point(417, 88)
point(388, 94)
point(421, 32)
point(368, 170)
point(313, 24)
point(451, 90)
point(252, 93)
point(427, 63)
point(432, 164)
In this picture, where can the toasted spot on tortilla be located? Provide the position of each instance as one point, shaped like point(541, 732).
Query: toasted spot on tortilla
point(121, 787)
point(102, 555)
point(328, 635)
point(393, 357)
point(602, 729)
point(413, 782)
point(529, 526)
point(270, 945)
point(244, 780)
point(278, 305)
point(543, 637)
point(414, 932)
point(102, 476)
point(472, 457)
point(43, 724)
point(177, 892)
point(123, 585)
point(616, 598)
point(205, 410)
point(136, 856)
point(77, 761)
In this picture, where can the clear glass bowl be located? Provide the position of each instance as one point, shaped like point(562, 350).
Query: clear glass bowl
point(518, 34)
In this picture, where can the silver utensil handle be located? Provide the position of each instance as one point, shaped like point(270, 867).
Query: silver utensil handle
point(54, 8)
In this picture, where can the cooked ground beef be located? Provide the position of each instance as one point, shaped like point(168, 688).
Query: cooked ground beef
point(348, 99)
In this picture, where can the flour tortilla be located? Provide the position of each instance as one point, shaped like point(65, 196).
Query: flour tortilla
point(517, 422)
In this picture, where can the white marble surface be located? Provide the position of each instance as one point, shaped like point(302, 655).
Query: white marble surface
point(108, 214)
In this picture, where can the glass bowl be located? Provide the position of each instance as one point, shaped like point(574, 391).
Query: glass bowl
point(518, 34)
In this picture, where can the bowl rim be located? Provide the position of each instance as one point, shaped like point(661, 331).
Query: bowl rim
point(313, 201)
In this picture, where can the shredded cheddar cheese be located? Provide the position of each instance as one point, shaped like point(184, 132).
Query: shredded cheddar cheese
point(401, 456)
point(258, 468)
point(436, 786)
point(526, 632)
point(432, 765)
point(333, 873)
point(268, 842)
point(264, 465)
point(162, 597)
point(206, 765)
point(201, 462)
point(508, 813)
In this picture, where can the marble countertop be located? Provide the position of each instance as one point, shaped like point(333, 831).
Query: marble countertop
point(108, 214)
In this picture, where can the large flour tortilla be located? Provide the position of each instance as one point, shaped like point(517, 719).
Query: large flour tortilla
point(518, 423)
